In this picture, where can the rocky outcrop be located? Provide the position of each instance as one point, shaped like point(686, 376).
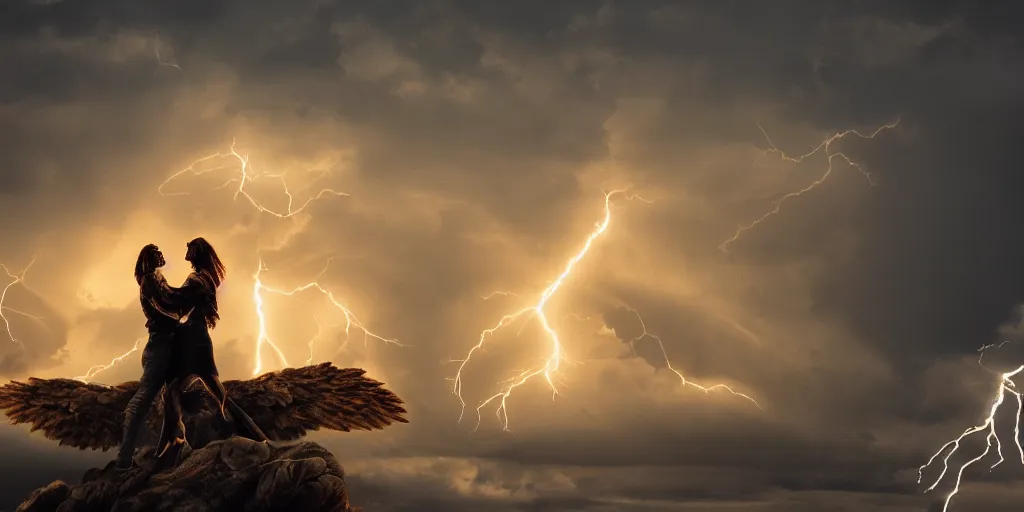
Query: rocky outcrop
point(236, 474)
point(233, 475)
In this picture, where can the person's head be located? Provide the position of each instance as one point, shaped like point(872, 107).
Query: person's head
point(203, 258)
point(150, 259)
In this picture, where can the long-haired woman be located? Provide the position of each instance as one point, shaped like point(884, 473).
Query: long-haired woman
point(192, 354)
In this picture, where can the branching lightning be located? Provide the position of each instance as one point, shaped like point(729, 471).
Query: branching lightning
point(552, 363)
point(313, 340)
point(351, 320)
point(1006, 386)
point(825, 147)
point(17, 278)
point(20, 278)
point(246, 176)
point(99, 368)
point(668, 363)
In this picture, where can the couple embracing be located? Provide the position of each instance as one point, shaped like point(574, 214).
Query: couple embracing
point(179, 350)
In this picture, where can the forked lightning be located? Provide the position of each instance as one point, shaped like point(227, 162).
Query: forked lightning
point(244, 177)
point(825, 147)
point(351, 320)
point(1006, 387)
point(16, 278)
point(556, 355)
point(100, 368)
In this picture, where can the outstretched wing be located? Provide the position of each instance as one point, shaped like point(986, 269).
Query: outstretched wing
point(69, 411)
point(289, 403)
point(285, 404)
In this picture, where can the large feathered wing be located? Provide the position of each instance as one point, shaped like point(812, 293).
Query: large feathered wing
point(69, 411)
point(285, 404)
point(294, 401)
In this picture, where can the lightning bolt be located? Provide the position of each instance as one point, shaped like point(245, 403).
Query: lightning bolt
point(244, 176)
point(159, 59)
point(313, 340)
point(824, 147)
point(100, 368)
point(1006, 387)
point(668, 363)
point(554, 360)
point(16, 279)
point(262, 338)
point(261, 322)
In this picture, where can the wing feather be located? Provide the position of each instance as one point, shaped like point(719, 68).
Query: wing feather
point(74, 413)
point(287, 405)
point(292, 402)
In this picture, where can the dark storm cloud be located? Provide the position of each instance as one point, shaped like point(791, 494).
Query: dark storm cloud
point(833, 313)
point(934, 231)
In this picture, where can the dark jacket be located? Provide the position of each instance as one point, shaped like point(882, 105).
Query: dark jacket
point(193, 348)
point(196, 298)
point(159, 303)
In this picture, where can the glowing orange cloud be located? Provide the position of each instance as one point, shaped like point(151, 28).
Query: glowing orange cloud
point(242, 177)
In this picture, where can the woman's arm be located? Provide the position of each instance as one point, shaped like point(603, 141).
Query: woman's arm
point(195, 290)
point(166, 299)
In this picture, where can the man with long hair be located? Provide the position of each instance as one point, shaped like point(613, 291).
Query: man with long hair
point(158, 304)
point(192, 357)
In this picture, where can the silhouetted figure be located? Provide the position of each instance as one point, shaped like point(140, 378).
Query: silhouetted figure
point(157, 303)
point(192, 354)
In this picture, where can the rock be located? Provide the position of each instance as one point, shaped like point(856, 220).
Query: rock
point(235, 474)
point(46, 498)
point(216, 471)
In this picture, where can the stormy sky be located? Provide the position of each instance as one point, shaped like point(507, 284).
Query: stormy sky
point(475, 141)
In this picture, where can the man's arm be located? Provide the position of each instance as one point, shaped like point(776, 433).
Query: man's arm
point(166, 299)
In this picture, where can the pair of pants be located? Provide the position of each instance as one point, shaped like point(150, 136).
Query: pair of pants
point(173, 425)
point(155, 360)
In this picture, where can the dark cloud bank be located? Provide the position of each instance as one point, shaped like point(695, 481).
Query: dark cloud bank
point(468, 119)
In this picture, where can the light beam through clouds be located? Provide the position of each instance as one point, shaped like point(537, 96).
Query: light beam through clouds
point(553, 361)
